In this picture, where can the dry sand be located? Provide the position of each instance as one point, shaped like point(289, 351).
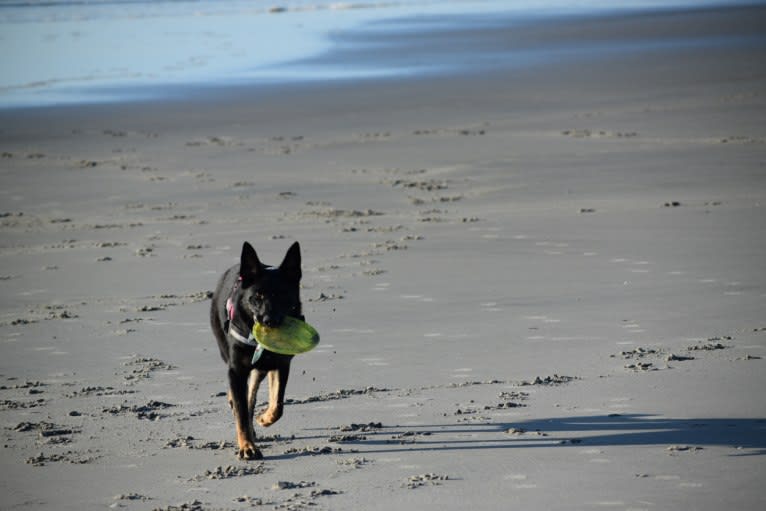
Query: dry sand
point(538, 289)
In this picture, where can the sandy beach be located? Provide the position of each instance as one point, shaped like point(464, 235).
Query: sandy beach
point(538, 287)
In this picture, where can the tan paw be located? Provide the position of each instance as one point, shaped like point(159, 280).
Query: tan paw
point(268, 417)
point(248, 451)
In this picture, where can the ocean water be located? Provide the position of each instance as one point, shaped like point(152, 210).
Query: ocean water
point(86, 51)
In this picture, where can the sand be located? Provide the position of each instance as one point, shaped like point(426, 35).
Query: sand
point(537, 288)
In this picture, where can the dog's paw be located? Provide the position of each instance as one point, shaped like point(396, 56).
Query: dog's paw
point(269, 417)
point(249, 452)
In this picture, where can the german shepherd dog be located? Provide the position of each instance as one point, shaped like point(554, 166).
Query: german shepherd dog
point(248, 292)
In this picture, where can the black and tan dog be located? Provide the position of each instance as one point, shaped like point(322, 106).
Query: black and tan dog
point(250, 292)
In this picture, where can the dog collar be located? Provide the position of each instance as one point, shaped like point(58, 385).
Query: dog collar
point(241, 338)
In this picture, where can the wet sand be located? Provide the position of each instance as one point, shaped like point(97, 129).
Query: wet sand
point(538, 288)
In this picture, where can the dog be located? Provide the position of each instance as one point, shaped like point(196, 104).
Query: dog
point(247, 293)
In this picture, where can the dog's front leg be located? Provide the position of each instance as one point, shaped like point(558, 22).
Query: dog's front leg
point(238, 398)
point(253, 383)
point(277, 386)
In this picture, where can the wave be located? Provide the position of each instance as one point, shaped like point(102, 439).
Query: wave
point(84, 10)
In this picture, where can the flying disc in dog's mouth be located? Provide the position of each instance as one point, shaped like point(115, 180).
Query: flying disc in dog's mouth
point(292, 337)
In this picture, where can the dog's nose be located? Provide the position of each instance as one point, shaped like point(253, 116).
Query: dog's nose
point(271, 321)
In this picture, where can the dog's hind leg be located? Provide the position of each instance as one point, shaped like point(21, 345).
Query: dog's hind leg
point(277, 387)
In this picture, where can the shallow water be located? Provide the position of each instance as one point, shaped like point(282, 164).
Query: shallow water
point(69, 52)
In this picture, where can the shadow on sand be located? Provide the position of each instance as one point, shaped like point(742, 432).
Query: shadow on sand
point(746, 434)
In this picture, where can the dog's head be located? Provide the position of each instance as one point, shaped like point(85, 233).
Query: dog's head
point(268, 293)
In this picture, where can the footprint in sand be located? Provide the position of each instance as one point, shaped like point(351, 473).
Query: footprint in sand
point(619, 403)
point(520, 482)
point(543, 319)
point(462, 372)
point(609, 503)
point(492, 233)
point(490, 307)
point(667, 477)
point(367, 331)
point(375, 362)
point(640, 267)
point(633, 328)
point(551, 247)
point(419, 298)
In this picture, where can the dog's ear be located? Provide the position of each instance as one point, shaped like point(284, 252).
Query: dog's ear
point(291, 265)
point(249, 264)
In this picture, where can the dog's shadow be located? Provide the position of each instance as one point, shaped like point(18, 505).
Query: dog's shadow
point(746, 434)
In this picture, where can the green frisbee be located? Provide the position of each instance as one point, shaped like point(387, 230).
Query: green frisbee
point(292, 337)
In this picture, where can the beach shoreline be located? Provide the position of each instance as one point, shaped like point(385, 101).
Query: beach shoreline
point(326, 49)
point(538, 287)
